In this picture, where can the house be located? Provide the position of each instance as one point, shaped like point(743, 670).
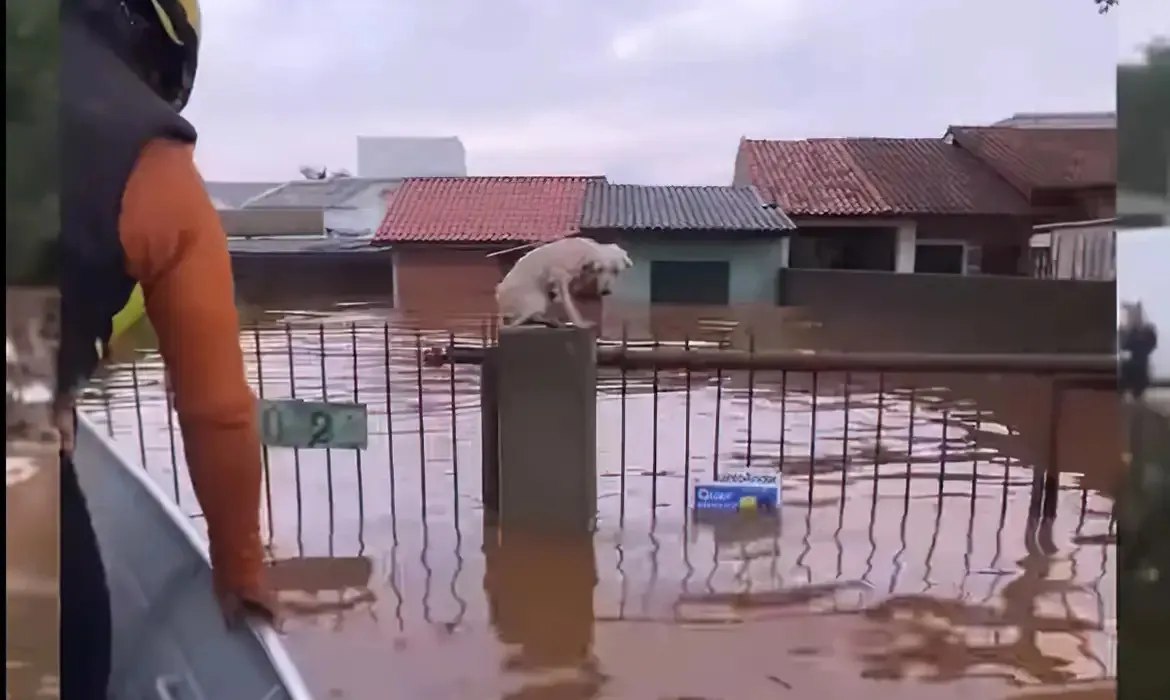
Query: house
point(690, 245)
point(1066, 174)
point(1069, 177)
point(896, 205)
point(442, 230)
point(277, 268)
point(352, 206)
point(278, 249)
point(965, 203)
point(874, 214)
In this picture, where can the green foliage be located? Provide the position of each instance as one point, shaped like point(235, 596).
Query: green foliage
point(1143, 121)
point(31, 218)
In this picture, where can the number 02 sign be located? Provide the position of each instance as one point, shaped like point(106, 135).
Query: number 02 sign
point(313, 424)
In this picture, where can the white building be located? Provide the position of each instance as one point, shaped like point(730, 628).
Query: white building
point(409, 156)
point(352, 206)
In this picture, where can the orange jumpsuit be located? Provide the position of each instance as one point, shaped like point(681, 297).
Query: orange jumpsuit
point(175, 247)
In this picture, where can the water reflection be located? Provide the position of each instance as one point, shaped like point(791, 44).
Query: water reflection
point(539, 593)
point(903, 557)
point(326, 587)
point(1013, 640)
point(31, 597)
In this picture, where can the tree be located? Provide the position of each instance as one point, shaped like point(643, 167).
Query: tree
point(1104, 5)
point(31, 218)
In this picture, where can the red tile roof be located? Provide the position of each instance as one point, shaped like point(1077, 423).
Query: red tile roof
point(483, 210)
point(875, 177)
point(1044, 158)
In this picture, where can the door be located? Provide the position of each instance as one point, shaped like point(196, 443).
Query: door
point(705, 283)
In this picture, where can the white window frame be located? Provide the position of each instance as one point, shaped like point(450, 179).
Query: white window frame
point(965, 267)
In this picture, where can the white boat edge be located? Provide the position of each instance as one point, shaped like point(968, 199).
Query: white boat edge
point(269, 640)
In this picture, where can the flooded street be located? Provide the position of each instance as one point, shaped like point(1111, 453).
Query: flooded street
point(31, 512)
point(902, 565)
point(31, 570)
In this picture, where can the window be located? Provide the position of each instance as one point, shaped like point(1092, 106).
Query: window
point(941, 258)
point(705, 283)
point(843, 248)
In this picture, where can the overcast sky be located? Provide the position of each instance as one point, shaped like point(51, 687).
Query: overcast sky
point(646, 91)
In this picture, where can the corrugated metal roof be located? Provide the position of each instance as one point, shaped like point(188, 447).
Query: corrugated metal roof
point(526, 209)
point(333, 193)
point(679, 208)
point(233, 194)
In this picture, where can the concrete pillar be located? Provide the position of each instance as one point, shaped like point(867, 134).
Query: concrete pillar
point(547, 428)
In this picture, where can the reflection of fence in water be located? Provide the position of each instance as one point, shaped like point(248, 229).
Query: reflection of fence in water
point(893, 486)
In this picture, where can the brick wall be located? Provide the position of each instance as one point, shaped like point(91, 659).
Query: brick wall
point(952, 313)
point(441, 282)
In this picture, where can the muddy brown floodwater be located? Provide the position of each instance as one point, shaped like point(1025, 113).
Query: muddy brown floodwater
point(30, 539)
point(31, 516)
point(903, 563)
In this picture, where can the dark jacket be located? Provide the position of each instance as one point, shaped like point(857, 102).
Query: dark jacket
point(107, 116)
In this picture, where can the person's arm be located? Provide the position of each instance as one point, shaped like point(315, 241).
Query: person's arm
point(176, 248)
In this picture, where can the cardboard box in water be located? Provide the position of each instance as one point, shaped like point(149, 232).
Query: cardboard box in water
point(737, 497)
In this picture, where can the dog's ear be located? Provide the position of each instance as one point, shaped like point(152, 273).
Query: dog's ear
point(621, 259)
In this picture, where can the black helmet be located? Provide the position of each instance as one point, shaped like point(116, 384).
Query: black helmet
point(158, 39)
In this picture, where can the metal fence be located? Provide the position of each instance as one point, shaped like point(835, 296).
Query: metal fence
point(667, 411)
point(898, 474)
point(1085, 250)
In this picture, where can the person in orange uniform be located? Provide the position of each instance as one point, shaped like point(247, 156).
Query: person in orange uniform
point(135, 214)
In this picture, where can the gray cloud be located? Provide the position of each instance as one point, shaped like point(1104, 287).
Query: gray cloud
point(647, 91)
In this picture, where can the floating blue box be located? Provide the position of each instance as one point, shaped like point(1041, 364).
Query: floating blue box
point(733, 496)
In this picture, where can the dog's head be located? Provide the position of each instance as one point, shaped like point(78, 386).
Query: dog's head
point(611, 261)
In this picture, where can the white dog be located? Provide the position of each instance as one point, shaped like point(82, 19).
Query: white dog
point(553, 272)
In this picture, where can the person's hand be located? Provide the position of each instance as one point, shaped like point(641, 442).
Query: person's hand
point(64, 421)
point(239, 608)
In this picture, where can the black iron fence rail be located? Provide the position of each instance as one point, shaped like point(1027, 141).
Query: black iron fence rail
point(669, 412)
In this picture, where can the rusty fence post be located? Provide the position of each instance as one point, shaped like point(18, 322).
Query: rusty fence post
point(546, 379)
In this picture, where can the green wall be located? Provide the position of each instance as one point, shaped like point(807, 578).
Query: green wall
point(754, 266)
